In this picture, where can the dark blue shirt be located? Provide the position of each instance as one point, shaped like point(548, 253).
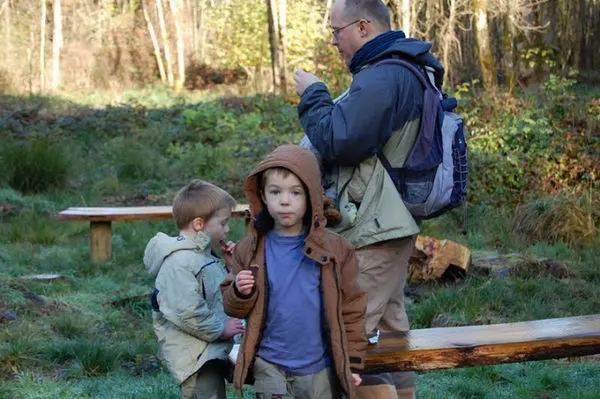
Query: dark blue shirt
point(293, 334)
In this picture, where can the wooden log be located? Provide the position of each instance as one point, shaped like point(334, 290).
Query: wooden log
point(432, 258)
point(100, 241)
point(454, 347)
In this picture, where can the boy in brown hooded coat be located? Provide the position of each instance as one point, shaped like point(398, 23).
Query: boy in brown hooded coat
point(295, 283)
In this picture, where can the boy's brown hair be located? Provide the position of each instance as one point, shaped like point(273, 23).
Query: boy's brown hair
point(199, 199)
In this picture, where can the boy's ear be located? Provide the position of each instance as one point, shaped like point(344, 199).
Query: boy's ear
point(198, 224)
point(262, 197)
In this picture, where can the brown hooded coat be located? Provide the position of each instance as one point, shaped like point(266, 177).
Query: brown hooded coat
point(344, 303)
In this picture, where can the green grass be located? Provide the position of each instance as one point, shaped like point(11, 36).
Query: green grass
point(89, 334)
point(88, 340)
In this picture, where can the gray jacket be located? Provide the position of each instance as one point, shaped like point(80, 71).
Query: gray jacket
point(190, 316)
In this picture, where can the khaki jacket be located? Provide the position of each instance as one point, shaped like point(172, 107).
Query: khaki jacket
point(380, 214)
point(190, 317)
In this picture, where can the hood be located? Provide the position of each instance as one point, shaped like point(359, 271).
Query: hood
point(409, 48)
point(303, 164)
point(162, 245)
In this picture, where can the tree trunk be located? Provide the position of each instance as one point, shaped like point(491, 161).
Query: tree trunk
point(511, 56)
point(434, 15)
point(30, 61)
point(202, 31)
point(405, 12)
point(326, 13)
point(194, 23)
point(274, 40)
point(180, 44)
point(282, 48)
point(165, 38)
point(155, 45)
point(57, 42)
point(449, 37)
point(7, 32)
point(43, 46)
point(482, 34)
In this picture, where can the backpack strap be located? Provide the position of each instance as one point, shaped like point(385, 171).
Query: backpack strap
point(420, 156)
point(424, 75)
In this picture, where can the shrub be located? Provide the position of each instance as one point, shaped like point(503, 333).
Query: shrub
point(133, 160)
point(36, 165)
point(569, 219)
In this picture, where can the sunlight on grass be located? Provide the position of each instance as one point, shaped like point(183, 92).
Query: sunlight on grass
point(89, 334)
point(547, 379)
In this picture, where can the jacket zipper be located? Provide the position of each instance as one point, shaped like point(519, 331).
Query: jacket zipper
point(265, 309)
point(341, 325)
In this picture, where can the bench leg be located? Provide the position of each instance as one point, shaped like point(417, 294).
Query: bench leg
point(100, 241)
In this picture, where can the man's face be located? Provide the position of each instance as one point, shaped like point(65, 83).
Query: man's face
point(346, 33)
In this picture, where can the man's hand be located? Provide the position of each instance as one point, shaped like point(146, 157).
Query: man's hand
point(244, 281)
point(303, 79)
point(232, 327)
point(356, 380)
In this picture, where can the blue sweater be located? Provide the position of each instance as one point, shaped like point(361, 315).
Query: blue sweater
point(293, 334)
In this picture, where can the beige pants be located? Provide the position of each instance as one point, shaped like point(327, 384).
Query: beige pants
point(270, 381)
point(383, 269)
point(207, 383)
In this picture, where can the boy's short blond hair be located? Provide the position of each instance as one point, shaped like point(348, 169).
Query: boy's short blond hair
point(199, 199)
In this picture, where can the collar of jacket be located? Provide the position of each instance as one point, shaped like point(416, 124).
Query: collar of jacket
point(314, 243)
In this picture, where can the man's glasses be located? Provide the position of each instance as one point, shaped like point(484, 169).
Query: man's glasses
point(335, 31)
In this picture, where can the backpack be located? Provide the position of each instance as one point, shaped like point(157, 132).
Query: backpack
point(434, 177)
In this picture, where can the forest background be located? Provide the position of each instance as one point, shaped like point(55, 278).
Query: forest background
point(121, 102)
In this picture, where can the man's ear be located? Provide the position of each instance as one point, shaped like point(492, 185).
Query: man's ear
point(363, 27)
point(198, 224)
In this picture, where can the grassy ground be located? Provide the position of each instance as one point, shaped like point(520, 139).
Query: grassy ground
point(89, 335)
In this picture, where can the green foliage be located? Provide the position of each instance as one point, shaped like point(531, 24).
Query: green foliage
point(94, 358)
point(241, 39)
point(562, 218)
point(38, 164)
point(241, 33)
point(133, 160)
point(538, 144)
point(143, 151)
point(32, 228)
point(548, 379)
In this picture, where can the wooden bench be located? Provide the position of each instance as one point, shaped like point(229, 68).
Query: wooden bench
point(455, 347)
point(101, 219)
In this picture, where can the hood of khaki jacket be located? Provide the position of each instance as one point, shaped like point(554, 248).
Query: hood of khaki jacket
point(162, 245)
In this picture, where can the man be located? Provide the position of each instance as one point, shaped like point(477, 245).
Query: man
point(380, 112)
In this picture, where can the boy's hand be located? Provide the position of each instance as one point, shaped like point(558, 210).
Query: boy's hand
point(227, 250)
point(232, 327)
point(244, 282)
point(356, 380)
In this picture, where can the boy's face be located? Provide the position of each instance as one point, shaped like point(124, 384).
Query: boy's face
point(217, 227)
point(285, 198)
